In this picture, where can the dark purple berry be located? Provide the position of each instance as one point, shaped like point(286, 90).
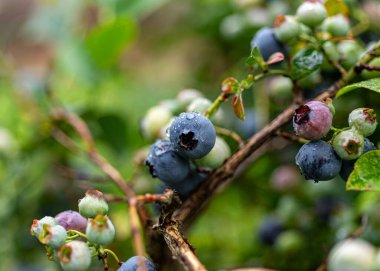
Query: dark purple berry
point(266, 41)
point(269, 230)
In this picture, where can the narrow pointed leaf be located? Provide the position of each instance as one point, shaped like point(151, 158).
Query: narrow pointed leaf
point(238, 107)
point(371, 84)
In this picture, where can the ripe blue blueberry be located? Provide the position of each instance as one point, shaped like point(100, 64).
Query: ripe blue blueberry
point(269, 230)
point(192, 135)
point(266, 41)
point(312, 120)
point(348, 165)
point(189, 184)
point(133, 264)
point(165, 163)
point(71, 220)
point(318, 161)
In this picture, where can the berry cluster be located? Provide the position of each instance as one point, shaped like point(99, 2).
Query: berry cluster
point(192, 136)
point(189, 141)
point(319, 160)
point(58, 234)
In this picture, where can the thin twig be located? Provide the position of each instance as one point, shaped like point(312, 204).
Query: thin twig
point(291, 137)
point(231, 134)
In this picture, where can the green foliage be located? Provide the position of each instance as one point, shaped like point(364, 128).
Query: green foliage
point(305, 62)
point(371, 84)
point(366, 174)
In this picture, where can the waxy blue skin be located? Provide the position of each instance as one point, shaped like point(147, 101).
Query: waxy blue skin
point(166, 164)
point(318, 161)
point(267, 43)
point(133, 263)
point(348, 165)
point(269, 230)
point(189, 184)
point(192, 135)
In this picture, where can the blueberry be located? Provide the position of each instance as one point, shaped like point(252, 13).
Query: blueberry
point(156, 118)
point(312, 120)
point(318, 161)
point(348, 165)
point(325, 207)
point(337, 26)
point(133, 263)
point(71, 220)
point(348, 144)
point(311, 13)
point(93, 204)
point(74, 256)
point(54, 236)
point(166, 164)
point(286, 28)
point(217, 155)
point(192, 135)
point(269, 230)
point(100, 230)
point(247, 127)
point(363, 120)
point(266, 41)
point(189, 184)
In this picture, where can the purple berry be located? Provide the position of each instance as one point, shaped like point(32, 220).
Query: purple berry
point(133, 264)
point(312, 120)
point(71, 220)
point(269, 230)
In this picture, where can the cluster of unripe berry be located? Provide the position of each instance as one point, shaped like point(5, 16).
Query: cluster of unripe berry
point(320, 160)
point(311, 16)
point(71, 238)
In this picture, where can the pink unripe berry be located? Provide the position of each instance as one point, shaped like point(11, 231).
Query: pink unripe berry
point(312, 120)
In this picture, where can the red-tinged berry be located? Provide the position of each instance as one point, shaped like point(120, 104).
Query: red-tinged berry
point(363, 120)
point(93, 204)
point(312, 120)
point(100, 230)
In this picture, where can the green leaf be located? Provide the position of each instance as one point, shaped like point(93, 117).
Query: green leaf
point(305, 62)
point(255, 58)
point(366, 173)
point(335, 7)
point(371, 84)
point(238, 107)
point(106, 42)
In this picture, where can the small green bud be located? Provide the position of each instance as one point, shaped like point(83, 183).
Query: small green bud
point(93, 204)
point(37, 225)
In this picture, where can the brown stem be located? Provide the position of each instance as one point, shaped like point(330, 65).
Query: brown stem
point(231, 134)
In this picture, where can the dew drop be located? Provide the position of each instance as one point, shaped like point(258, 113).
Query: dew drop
point(190, 116)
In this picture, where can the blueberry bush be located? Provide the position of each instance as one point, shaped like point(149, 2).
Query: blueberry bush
point(190, 135)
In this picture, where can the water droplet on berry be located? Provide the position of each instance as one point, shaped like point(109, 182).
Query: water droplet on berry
point(190, 116)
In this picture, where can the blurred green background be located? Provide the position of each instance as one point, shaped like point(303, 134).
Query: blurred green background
point(109, 61)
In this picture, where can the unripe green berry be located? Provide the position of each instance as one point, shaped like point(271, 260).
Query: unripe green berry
point(74, 256)
point(337, 26)
point(186, 96)
point(350, 52)
point(352, 254)
point(286, 28)
point(93, 204)
point(156, 118)
point(348, 144)
point(367, 74)
point(54, 236)
point(37, 225)
point(281, 87)
point(311, 13)
point(363, 120)
point(215, 158)
point(100, 230)
point(199, 105)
